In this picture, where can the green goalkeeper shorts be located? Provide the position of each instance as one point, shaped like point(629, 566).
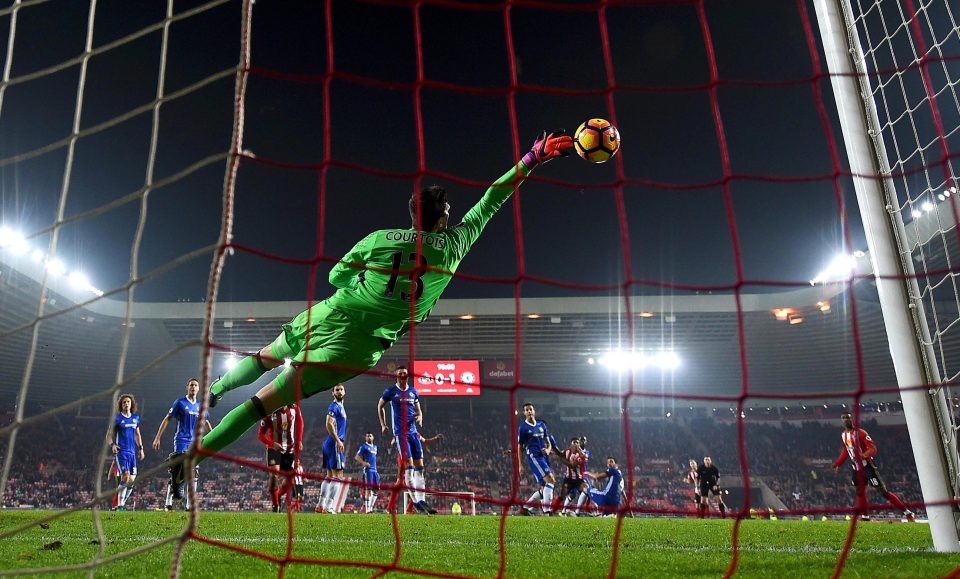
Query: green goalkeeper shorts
point(325, 350)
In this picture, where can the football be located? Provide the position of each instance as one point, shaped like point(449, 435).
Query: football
point(596, 140)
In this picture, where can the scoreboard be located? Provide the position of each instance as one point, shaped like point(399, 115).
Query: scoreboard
point(447, 377)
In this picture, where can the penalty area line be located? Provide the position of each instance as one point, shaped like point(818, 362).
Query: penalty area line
point(808, 549)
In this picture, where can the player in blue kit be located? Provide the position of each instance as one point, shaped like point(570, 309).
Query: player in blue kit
point(367, 456)
point(333, 451)
point(126, 444)
point(607, 499)
point(404, 401)
point(186, 411)
point(533, 445)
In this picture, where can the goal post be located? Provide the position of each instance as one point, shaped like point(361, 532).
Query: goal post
point(928, 417)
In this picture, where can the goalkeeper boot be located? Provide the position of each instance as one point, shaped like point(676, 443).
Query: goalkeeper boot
point(214, 398)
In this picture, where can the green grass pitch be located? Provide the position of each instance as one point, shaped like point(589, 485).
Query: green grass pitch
point(536, 546)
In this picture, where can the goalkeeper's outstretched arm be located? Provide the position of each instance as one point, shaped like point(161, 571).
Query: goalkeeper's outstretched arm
point(545, 148)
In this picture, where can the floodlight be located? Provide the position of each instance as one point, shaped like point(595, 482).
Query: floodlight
point(78, 280)
point(7, 236)
point(622, 361)
point(840, 269)
point(56, 267)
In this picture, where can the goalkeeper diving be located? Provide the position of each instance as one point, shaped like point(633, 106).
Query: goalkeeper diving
point(384, 284)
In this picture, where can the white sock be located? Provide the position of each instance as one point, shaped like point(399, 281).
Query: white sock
point(371, 500)
point(580, 500)
point(332, 489)
point(566, 502)
point(534, 497)
point(168, 501)
point(122, 494)
point(322, 501)
point(547, 497)
point(421, 483)
point(186, 495)
point(410, 479)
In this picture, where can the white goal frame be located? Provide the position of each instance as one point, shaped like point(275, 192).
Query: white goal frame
point(928, 417)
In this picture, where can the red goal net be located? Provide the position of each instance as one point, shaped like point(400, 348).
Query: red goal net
point(709, 291)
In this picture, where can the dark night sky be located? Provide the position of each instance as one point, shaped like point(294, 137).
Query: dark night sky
point(571, 231)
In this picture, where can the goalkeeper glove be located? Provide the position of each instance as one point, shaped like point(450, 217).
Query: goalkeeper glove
point(546, 147)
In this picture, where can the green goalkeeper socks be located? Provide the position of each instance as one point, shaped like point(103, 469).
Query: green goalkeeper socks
point(245, 372)
point(232, 427)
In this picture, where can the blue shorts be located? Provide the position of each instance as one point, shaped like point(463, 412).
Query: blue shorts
point(609, 501)
point(371, 477)
point(126, 462)
point(539, 465)
point(180, 446)
point(332, 460)
point(409, 446)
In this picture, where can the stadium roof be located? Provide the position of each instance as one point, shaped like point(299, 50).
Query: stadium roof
point(78, 348)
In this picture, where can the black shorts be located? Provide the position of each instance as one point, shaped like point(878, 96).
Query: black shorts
point(282, 459)
point(704, 489)
point(298, 491)
point(573, 484)
point(870, 476)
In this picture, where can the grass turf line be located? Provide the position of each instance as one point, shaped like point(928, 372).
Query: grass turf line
point(536, 546)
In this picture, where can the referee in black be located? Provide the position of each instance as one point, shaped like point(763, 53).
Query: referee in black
point(710, 483)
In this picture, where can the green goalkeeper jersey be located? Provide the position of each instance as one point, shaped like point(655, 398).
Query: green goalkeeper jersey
point(379, 278)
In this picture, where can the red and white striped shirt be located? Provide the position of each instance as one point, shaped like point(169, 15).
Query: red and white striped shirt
point(298, 475)
point(693, 477)
point(578, 459)
point(285, 426)
point(856, 444)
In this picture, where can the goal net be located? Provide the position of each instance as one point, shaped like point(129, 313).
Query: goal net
point(176, 181)
point(895, 89)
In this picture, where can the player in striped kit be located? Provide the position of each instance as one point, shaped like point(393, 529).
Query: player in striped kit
point(126, 444)
point(693, 477)
point(860, 449)
point(295, 504)
point(282, 434)
point(574, 485)
point(367, 456)
point(333, 452)
point(533, 445)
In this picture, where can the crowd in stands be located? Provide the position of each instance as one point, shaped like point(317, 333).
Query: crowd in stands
point(791, 456)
